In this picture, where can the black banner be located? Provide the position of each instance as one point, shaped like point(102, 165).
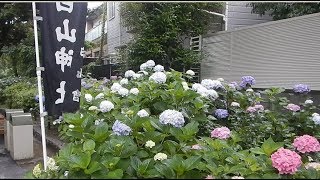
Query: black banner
point(62, 41)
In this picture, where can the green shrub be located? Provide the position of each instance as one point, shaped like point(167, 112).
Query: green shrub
point(21, 95)
point(111, 137)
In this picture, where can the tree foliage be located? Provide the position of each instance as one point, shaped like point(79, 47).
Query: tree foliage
point(17, 52)
point(284, 10)
point(160, 30)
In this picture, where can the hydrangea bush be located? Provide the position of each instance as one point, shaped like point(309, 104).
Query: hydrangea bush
point(156, 124)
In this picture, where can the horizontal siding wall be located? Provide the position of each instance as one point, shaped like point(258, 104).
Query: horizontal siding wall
point(280, 53)
point(239, 15)
point(113, 34)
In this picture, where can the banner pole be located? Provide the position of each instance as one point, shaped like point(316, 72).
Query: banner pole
point(43, 135)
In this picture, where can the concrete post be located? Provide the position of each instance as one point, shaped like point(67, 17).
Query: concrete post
point(6, 126)
point(21, 138)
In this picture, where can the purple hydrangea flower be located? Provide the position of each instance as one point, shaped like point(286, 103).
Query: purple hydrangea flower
point(301, 88)
point(88, 86)
point(234, 85)
point(247, 80)
point(221, 113)
point(121, 129)
point(105, 81)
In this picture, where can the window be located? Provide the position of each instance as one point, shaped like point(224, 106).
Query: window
point(96, 54)
point(112, 10)
point(196, 43)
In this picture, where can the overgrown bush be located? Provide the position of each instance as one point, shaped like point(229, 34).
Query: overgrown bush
point(153, 124)
point(20, 94)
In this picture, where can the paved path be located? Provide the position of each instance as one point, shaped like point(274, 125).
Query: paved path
point(9, 169)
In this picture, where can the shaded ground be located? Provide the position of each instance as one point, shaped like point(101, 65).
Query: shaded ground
point(10, 169)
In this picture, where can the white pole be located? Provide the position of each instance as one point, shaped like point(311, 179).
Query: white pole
point(43, 134)
point(226, 17)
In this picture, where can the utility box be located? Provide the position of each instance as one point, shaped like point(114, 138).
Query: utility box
point(21, 136)
point(6, 126)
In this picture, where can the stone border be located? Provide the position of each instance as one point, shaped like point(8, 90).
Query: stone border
point(54, 143)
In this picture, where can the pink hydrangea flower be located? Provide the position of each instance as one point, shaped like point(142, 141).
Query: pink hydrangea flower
point(221, 133)
point(209, 177)
point(286, 161)
point(293, 107)
point(196, 146)
point(306, 143)
point(251, 109)
point(259, 107)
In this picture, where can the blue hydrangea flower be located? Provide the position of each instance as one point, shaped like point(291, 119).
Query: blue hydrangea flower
point(37, 98)
point(247, 80)
point(221, 113)
point(121, 129)
point(301, 88)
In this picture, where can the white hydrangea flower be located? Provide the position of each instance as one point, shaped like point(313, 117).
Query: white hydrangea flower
point(143, 113)
point(37, 171)
point(99, 96)
point(202, 91)
point(97, 122)
point(106, 106)
point(185, 85)
point(124, 81)
point(150, 63)
point(172, 117)
point(51, 164)
point(115, 87)
point(144, 73)
point(71, 126)
point(136, 76)
point(316, 119)
point(93, 108)
point(134, 91)
point(158, 77)
point(211, 84)
point(249, 90)
point(308, 101)
point(235, 104)
point(196, 86)
point(158, 68)
point(237, 177)
point(190, 72)
point(212, 93)
point(143, 67)
point(58, 121)
point(313, 165)
point(129, 73)
point(220, 79)
point(150, 144)
point(88, 97)
point(123, 92)
point(66, 173)
point(160, 156)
